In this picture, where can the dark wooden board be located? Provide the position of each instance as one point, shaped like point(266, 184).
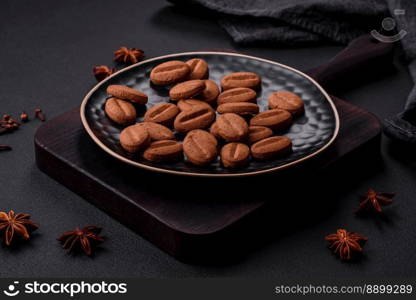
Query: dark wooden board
point(189, 218)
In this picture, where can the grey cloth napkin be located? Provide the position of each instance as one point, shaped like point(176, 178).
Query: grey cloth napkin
point(300, 22)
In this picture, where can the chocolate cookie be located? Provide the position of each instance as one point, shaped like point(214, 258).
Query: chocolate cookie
point(271, 147)
point(258, 133)
point(235, 155)
point(157, 131)
point(170, 72)
point(241, 79)
point(189, 104)
point(197, 118)
point(288, 101)
point(210, 93)
point(134, 138)
point(237, 95)
point(163, 113)
point(199, 68)
point(239, 108)
point(187, 89)
point(120, 111)
point(200, 147)
point(232, 127)
point(164, 150)
point(276, 119)
point(126, 93)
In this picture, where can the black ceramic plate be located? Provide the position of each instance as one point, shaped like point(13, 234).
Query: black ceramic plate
point(310, 133)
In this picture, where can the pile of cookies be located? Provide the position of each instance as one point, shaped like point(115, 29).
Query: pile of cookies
point(207, 121)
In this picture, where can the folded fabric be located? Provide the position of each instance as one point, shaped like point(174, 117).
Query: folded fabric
point(305, 22)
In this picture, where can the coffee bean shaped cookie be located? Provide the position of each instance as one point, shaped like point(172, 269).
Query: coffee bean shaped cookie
point(237, 95)
point(187, 89)
point(239, 108)
point(271, 147)
point(200, 147)
point(241, 79)
point(235, 155)
point(163, 113)
point(120, 111)
point(134, 138)
point(199, 68)
point(197, 118)
point(126, 93)
point(288, 101)
point(276, 119)
point(157, 131)
point(169, 72)
point(214, 130)
point(190, 104)
point(232, 127)
point(210, 93)
point(164, 150)
point(258, 133)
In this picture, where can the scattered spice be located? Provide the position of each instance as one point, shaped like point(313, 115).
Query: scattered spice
point(128, 56)
point(102, 72)
point(12, 225)
point(5, 148)
point(24, 117)
point(7, 124)
point(375, 201)
point(39, 114)
point(345, 244)
point(81, 239)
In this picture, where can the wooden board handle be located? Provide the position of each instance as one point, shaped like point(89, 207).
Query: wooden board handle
point(362, 58)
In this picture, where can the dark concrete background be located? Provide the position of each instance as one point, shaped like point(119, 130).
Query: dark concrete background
point(47, 51)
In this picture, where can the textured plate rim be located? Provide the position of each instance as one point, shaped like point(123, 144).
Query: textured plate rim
point(201, 174)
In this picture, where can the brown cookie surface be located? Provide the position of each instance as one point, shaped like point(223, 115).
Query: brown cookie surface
point(157, 131)
point(288, 101)
point(197, 118)
point(126, 93)
point(134, 138)
point(258, 133)
point(276, 119)
point(187, 89)
point(169, 72)
point(272, 147)
point(232, 127)
point(200, 147)
point(239, 108)
point(120, 111)
point(199, 68)
point(241, 79)
point(163, 113)
point(164, 150)
point(189, 104)
point(235, 155)
point(237, 95)
point(210, 93)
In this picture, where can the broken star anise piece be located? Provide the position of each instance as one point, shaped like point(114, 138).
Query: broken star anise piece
point(16, 225)
point(375, 200)
point(84, 239)
point(102, 72)
point(128, 56)
point(345, 243)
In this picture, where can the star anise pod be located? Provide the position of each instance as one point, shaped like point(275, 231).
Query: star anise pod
point(102, 72)
point(16, 225)
point(84, 239)
point(375, 200)
point(345, 243)
point(128, 56)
